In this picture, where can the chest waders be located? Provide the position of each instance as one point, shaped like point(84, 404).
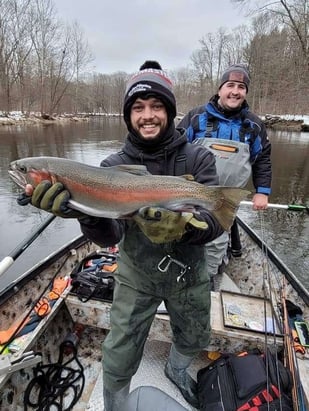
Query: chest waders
point(232, 160)
point(172, 272)
point(234, 170)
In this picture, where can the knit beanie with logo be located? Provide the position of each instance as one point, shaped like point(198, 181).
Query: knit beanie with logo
point(150, 81)
point(236, 72)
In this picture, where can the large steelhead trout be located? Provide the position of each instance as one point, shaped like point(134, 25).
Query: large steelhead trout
point(120, 191)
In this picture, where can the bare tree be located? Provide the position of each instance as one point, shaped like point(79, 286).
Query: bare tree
point(81, 56)
point(118, 81)
point(183, 82)
point(294, 14)
point(207, 61)
point(99, 93)
point(276, 65)
point(234, 48)
point(14, 47)
point(23, 49)
point(218, 50)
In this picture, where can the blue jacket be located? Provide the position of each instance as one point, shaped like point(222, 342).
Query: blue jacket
point(208, 121)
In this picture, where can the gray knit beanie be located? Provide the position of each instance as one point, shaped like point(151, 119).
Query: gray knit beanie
point(151, 80)
point(236, 72)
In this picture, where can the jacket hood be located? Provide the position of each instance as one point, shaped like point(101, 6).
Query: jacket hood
point(139, 148)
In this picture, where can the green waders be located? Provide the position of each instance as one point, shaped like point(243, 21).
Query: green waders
point(176, 371)
point(139, 291)
point(114, 400)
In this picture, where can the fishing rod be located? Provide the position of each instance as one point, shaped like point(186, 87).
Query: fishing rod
point(290, 207)
point(289, 359)
point(7, 261)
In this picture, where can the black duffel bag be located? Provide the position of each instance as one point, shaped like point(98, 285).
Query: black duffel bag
point(93, 277)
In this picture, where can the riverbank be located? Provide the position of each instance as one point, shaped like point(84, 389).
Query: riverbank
point(17, 118)
point(287, 123)
point(276, 122)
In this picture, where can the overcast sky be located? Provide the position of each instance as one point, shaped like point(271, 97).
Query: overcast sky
point(122, 34)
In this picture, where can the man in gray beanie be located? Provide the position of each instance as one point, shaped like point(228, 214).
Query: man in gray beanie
point(151, 238)
point(237, 73)
point(243, 150)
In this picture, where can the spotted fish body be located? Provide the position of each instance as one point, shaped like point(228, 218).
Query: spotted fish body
point(119, 191)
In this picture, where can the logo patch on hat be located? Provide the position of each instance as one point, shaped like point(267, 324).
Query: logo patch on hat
point(237, 76)
point(139, 88)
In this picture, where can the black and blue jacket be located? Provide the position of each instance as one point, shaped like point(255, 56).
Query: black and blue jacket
point(211, 121)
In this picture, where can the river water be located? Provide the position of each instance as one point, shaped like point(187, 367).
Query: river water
point(286, 232)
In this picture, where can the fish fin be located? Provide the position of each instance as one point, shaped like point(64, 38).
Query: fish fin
point(139, 170)
point(228, 205)
point(188, 177)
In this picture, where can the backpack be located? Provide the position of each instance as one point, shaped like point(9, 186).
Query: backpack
point(248, 381)
point(93, 277)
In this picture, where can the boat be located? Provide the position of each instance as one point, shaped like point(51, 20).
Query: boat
point(246, 313)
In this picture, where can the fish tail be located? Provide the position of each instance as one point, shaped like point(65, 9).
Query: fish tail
point(230, 199)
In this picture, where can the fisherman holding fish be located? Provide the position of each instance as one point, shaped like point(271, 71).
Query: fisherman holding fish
point(239, 141)
point(161, 245)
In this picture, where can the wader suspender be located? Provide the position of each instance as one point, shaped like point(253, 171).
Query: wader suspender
point(211, 125)
point(122, 155)
point(180, 168)
point(245, 128)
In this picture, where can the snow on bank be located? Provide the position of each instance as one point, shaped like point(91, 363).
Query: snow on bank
point(289, 117)
point(17, 116)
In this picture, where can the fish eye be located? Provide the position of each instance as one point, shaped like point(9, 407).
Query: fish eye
point(22, 168)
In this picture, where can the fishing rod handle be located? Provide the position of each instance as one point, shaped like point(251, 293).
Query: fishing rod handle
point(269, 205)
point(5, 264)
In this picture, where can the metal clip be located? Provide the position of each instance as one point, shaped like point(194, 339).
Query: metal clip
point(165, 263)
point(8, 364)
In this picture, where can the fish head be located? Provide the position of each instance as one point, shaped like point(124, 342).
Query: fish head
point(23, 172)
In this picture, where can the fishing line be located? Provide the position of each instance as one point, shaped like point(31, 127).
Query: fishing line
point(280, 300)
point(267, 288)
point(264, 272)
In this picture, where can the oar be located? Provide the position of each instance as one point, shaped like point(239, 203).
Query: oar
point(290, 207)
point(7, 261)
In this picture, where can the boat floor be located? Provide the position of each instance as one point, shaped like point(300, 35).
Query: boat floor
point(151, 369)
point(150, 373)
point(95, 316)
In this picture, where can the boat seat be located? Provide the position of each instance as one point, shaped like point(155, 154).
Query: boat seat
point(97, 314)
point(150, 399)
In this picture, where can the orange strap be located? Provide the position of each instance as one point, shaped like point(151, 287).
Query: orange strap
point(59, 285)
point(43, 307)
point(296, 343)
point(6, 335)
point(222, 147)
point(111, 268)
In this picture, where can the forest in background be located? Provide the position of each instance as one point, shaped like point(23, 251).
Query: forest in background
point(44, 63)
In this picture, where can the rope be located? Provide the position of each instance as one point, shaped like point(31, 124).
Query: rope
point(56, 386)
